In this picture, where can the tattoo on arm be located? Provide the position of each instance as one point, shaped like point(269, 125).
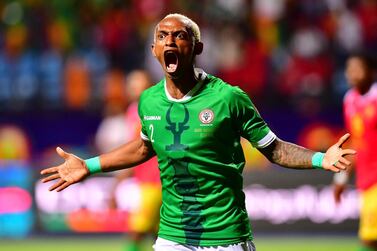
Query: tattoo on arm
point(288, 155)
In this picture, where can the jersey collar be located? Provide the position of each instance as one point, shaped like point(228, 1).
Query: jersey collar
point(200, 76)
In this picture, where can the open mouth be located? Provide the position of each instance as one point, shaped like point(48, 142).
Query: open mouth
point(171, 61)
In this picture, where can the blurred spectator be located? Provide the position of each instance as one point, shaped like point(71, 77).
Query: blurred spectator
point(16, 179)
point(243, 62)
point(77, 85)
point(307, 77)
point(115, 128)
point(367, 14)
point(290, 48)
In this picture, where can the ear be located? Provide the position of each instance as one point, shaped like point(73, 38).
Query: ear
point(152, 49)
point(198, 48)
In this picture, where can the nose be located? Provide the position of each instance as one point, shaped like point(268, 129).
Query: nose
point(170, 40)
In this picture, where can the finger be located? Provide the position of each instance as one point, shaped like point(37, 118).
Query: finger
point(51, 177)
point(62, 153)
point(340, 166)
point(343, 139)
point(57, 184)
point(335, 167)
point(64, 186)
point(348, 152)
point(344, 161)
point(53, 169)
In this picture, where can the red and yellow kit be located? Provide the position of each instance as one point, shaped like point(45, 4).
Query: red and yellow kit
point(361, 120)
point(360, 112)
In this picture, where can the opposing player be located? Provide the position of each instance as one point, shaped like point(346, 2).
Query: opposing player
point(193, 122)
point(360, 113)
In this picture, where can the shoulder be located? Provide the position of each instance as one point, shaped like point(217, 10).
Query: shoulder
point(151, 95)
point(350, 95)
point(373, 90)
point(224, 89)
point(153, 90)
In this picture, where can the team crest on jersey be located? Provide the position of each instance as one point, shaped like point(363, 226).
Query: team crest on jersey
point(206, 116)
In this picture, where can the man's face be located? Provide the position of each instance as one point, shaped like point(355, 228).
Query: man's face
point(174, 46)
point(356, 72)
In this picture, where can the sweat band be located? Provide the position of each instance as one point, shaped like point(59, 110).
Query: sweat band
point(94, 165)
point(317, 160)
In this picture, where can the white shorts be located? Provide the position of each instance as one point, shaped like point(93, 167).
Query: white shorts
point(165, 245)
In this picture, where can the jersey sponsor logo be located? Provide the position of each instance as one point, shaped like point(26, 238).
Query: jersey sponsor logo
point(206, 116)
point(152, 117)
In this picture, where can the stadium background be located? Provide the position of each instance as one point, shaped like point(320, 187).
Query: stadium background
point(64, 62)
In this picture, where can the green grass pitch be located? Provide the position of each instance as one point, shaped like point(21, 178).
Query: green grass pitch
point(292, 243)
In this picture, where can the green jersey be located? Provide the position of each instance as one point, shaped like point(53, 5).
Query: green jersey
point(197, 142)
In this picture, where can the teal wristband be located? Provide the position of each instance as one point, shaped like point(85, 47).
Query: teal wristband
point(317, 160)
point(94, 165)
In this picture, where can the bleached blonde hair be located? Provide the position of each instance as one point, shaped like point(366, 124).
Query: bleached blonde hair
point(194, 27)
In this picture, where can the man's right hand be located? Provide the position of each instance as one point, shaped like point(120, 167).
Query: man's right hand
point(73, 170)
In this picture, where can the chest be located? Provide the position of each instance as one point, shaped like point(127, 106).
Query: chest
point(361, 113)
point(173, 126)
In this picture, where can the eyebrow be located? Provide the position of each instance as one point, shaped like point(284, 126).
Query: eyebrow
point(174, 31)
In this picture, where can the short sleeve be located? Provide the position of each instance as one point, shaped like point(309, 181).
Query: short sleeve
point(248, 120)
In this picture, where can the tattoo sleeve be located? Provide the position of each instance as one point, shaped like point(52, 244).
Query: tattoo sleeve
point(288, 155)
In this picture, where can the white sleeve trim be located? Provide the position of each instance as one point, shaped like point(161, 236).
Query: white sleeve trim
point(144, 137)
point(267, 140)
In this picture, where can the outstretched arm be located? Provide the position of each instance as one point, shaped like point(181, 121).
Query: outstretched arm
point(75, 169)
point(297, 157)
point(126, 156)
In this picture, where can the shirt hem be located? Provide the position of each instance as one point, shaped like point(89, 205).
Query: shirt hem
point(205, 243)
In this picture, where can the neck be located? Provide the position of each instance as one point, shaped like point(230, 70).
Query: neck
point(180, 86)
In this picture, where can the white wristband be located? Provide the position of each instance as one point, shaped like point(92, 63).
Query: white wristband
point(340, 178)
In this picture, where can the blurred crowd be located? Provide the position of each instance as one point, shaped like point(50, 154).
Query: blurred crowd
point(63, 56)
point(76, 54)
